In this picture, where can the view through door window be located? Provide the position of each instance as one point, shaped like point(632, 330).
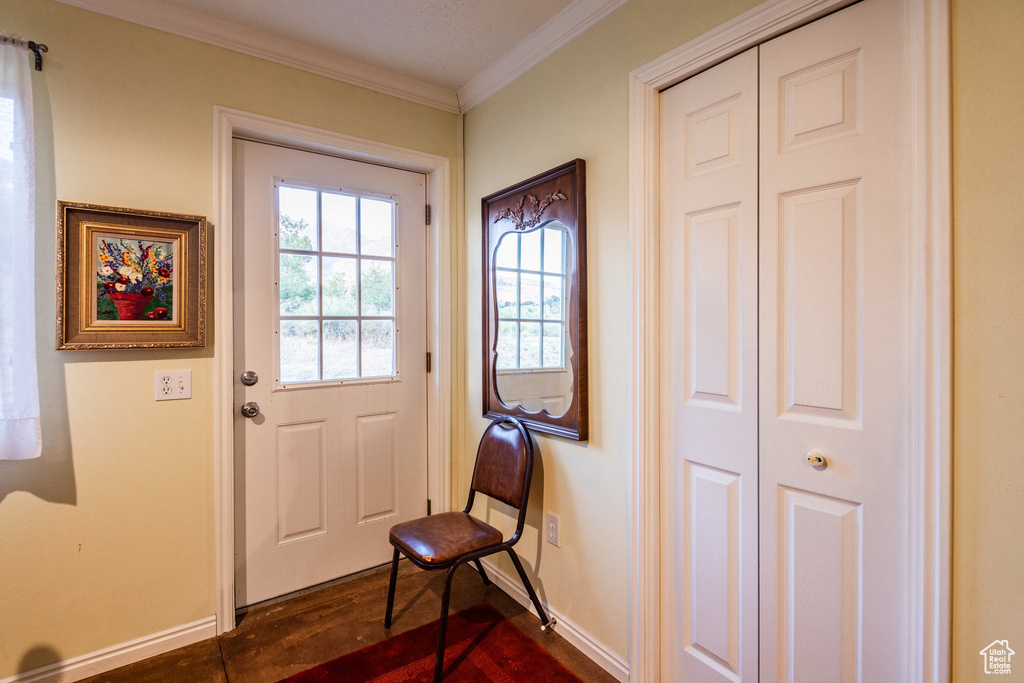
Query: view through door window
point(337, 285)
point(530, 287)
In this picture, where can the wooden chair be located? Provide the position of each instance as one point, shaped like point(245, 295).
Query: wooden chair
point(448, 540)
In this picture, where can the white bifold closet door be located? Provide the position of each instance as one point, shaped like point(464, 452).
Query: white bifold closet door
point(709, 363)
point(785, 326)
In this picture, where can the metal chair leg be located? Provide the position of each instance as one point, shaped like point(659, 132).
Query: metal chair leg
point(443, 630)
point(483, 574)
point(544, 620)
point(391, 590)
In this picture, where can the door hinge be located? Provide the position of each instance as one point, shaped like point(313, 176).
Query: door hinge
point(428, 214)
point(428, 507)
point(428, 361)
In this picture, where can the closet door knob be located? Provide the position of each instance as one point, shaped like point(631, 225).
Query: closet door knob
point(817, 460)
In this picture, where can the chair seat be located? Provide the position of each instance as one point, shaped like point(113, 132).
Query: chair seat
point(443, 537)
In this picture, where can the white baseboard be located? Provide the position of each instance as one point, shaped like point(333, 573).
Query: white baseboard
point(565, 627)
point(107, 659)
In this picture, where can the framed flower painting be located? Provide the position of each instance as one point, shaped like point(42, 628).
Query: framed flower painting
point(129, 278)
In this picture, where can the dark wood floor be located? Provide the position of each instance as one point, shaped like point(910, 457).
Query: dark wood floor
point(276, 640)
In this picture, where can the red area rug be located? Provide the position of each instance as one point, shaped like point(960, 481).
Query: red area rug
point(481, 646)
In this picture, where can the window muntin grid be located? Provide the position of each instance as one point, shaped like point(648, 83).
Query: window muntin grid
point(337, 285)
point(529, 284)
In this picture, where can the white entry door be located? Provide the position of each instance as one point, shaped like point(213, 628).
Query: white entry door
point(330, 301)
point(784, 235)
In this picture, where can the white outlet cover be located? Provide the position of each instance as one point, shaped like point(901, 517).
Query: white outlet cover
point(171, 385)
point(552, 530)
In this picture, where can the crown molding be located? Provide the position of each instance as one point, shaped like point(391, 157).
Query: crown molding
point(189, 23)
point(203, 27)
point(558, 31)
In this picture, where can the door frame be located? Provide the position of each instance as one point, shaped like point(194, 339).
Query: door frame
point(930, 311)
point(227, 124)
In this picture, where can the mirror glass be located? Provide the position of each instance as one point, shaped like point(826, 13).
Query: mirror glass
point(534, 350)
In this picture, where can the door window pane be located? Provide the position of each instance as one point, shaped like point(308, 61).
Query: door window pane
point(376, 223)
point(341, 286)
point(297, 227)
point(508, 337)
point(553, 345)
point(378, 348)
point(507, 289)
point(339, 223)
point(378, 285)
point(298, 285)
point(529, 306)
point(507, 253)
point(553, 297)
point(529, 345)
point(341, 349)
point(530, 253)
point(554, 240)
point(300, 350)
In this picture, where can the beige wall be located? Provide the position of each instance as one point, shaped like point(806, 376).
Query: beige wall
point(988, 272)
point(574, 104)
point(109, 536)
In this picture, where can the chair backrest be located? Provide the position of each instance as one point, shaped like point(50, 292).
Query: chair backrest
point(504, 464)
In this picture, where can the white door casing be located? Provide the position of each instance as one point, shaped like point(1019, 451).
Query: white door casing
point(229, 123)
point(924, 47)
point(326, 467)
point(709, 363)
point(833, 344)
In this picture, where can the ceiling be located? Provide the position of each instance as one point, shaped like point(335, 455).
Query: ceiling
point(450, 54)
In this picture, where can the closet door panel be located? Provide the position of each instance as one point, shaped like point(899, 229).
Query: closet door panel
point(819, 312)
point(833, 349)
point(709, 361)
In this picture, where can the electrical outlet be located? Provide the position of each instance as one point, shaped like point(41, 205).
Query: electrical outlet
point(552, 525)
point(173, 384)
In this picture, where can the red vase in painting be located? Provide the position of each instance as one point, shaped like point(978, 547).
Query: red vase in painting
point(130, 306)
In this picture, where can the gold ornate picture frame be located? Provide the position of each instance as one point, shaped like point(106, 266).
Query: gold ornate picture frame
point(129, 278)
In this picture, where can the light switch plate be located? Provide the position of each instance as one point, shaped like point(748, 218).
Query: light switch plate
point(172, 384)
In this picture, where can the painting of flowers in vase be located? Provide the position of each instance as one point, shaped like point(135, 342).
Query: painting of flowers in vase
point(134, 279)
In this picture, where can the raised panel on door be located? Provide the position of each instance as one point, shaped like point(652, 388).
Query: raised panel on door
point(819, 316)
point(833, 349)
point(377, 454)
point(301, 480)
point(709, 364)
point(712, 567)
point(819, 588)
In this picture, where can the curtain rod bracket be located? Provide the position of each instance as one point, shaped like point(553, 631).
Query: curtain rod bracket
point(37, 50)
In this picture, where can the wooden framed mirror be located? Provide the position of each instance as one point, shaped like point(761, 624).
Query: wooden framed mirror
point(535, 302)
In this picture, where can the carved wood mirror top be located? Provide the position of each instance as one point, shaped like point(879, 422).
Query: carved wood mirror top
point(535, 304)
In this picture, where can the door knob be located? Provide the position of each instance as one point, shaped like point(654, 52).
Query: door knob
point(250, 409)
point(817, 460)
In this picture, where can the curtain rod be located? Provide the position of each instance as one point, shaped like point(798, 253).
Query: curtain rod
point(36, 48)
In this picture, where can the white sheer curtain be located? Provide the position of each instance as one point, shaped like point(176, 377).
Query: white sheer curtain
point(20, 437)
